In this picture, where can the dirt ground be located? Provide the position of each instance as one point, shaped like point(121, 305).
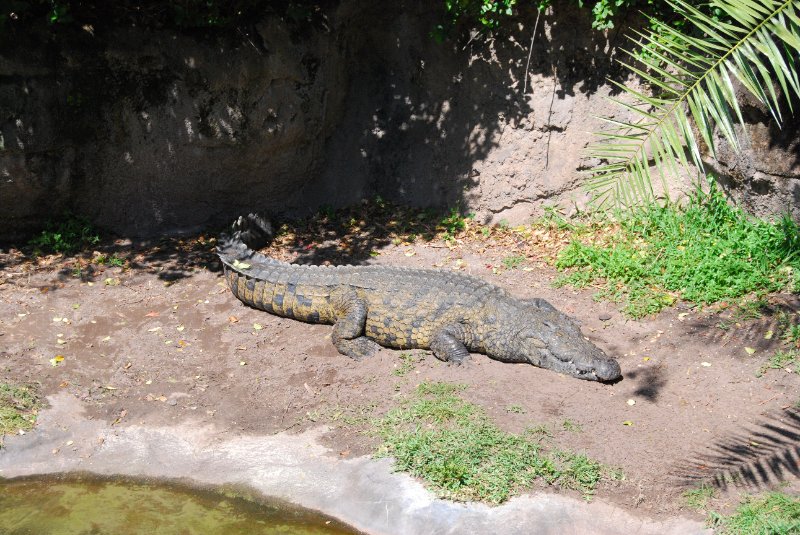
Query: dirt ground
point(162, 341)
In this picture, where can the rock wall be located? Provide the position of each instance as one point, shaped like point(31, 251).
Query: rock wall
point(764, 176)
point(151, 132)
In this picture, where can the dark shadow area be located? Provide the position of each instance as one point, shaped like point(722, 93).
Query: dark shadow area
point(156, 130)
point(649, 382)
point(351, 235)
point(749, 324)
point(171, 259)
point(759, 456)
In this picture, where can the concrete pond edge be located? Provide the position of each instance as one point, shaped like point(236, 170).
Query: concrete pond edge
point(362, 492)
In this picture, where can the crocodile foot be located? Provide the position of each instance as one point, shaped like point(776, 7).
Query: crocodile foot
point(357, 348)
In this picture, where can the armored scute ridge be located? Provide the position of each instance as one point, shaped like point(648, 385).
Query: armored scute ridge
point(448, 312)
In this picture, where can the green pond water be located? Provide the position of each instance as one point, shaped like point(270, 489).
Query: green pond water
point(91, 506)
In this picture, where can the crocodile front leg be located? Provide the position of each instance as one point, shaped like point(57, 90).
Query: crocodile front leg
point(348, 331)
point(447, 344)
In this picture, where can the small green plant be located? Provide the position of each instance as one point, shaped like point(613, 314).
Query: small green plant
point(775, 513)
point(344, 416)
point(781, 360)
point(792, 335)
point(750, 309)
point(406, 366)
point(514, 261)
point(19, 406)
point(452, 445)
point(453, 223)
point(698, 497)
point(572, 426)
point(515, 409)
point(68, 235)
point(503, 224)
point(704, 252)
point(112, 260)
point(540, 431)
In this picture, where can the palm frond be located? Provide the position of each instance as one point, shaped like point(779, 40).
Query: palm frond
point(755, 42)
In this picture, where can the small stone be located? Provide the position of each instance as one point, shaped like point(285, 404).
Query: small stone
point(605, 316)
point(172, 402)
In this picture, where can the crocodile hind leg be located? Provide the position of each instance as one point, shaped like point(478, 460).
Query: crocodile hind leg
point(447, 345)
point(348, 331)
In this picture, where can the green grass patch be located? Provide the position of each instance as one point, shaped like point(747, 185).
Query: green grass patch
point(113, 260)
point(514, 261)
point(698, 497)
point(781, 360)
point(19, 406)
point(703, 252)
point(66, 235)
point(454, 447)
point(454, 223)
point(572, 426)
point(775, 513)
point(407, 365)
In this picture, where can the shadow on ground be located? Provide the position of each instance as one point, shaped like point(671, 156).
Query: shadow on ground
point(760, 456)
point(350, 235)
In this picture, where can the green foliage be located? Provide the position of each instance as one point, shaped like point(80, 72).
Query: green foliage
point(112, 260)
point(781, 360)
point(704, 252)
point(18, 408)
point(691, 74)
point(408, 362)
point(792, 334)
point(462, 455)
point(513, 261)
point(698, 497)
point(491, 14)
point(775, 513)
point(67, 235)
point(488, 13)
point(184, 14)
point(572, 426)
point(454, 222)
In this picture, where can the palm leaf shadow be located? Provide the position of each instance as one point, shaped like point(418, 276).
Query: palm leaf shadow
point(758, 457)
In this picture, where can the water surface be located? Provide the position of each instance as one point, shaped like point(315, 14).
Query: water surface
point(80, 505)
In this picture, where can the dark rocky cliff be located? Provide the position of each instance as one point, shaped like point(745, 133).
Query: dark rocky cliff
point(149, 132)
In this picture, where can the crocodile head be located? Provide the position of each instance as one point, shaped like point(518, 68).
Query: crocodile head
point(552, 340)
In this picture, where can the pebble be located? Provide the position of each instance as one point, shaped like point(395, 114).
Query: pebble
point(605, 316)
point(172, 402)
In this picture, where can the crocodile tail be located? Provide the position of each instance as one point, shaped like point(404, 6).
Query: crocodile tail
point(247, 233)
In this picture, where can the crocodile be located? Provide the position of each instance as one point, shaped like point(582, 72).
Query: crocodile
point(448, 312)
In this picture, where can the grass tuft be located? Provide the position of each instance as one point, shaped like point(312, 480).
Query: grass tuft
point(774, 513)
point(19, 406)
point(781, 360)
point(453, 446)
point(704, 252)
point(698, 497)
